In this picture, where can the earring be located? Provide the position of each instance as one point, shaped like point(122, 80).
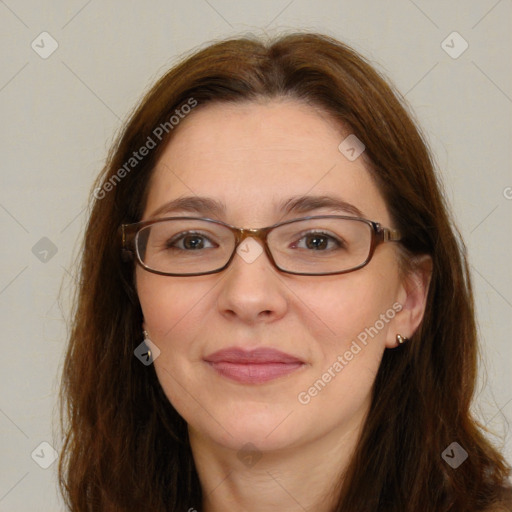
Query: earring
point(146, 335)
point(401, 339)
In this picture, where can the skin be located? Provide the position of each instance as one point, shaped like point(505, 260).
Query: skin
point(252, 156)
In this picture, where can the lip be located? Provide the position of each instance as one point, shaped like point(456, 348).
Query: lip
point(254, 366)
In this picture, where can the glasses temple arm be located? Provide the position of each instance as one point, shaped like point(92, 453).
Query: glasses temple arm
point(126, 252)
point(391, 235)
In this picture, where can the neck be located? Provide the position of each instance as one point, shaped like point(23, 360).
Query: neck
point(305, 476)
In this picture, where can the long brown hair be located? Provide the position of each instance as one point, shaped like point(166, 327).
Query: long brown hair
point(127, 449)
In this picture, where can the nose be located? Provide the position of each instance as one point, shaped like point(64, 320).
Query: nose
point(252, 290)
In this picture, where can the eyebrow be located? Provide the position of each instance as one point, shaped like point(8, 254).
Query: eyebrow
point(298, 204)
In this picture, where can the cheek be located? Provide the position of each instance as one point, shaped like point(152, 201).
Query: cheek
point(355, 306)
point(350, 320)
point(173, 318)
point(176, 315)
point(165, 302)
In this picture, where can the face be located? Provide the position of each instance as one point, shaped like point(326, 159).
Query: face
point(252, 158)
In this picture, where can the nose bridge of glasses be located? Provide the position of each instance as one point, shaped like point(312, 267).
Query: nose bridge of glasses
point(256, 233)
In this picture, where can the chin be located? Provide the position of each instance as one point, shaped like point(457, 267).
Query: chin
point(265, 432)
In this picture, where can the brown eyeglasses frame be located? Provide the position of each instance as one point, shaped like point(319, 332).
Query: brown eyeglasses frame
point(128, 233)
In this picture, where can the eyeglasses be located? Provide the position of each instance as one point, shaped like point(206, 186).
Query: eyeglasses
point(309, 246)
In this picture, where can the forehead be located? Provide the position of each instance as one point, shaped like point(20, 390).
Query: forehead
point(252, 157)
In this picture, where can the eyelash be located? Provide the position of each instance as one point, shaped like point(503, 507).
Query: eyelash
point(181, 236)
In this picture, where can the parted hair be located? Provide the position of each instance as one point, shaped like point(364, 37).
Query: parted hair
point(126, 448)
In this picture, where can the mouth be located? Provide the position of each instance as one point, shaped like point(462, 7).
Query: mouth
point(253, 367)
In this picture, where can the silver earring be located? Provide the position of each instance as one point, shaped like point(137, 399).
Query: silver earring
point(146, 335)
point(401, 339)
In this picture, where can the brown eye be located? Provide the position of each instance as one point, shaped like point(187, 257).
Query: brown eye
point(318, 242)
point(189, 242)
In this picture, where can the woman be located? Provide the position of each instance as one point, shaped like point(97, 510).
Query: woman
point(326, 362)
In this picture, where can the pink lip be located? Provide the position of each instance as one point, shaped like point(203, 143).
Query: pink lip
point(253, 367)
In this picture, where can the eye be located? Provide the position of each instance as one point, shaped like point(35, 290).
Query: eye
point(318, 241)
point(189, 241)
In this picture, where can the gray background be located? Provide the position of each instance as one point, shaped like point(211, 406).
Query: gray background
point(59, 116)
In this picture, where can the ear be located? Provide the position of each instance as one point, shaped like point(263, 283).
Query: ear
point(412, 297)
